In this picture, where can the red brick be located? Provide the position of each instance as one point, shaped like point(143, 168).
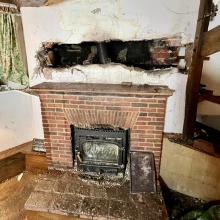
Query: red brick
point(160, 119)
point(143, 119)
point(161, 101)
point(56, 97)
point(160, 128)
point(76, 102)
point(155, 123)
point(86, 98)
point(70, 106)
point(148, 100)
point(139, 104)
point(86, 107)
point(114, 108)
point(96, 107)
point(154, 140)
point(156, 105)
point(161, 110)
point(70, 97)
point(100, 98)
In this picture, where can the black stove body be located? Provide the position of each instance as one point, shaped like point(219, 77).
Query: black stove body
point(100, 150)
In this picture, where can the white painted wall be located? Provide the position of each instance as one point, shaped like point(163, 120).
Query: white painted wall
point(209, 113)
point(20, 119)
point(75, 21)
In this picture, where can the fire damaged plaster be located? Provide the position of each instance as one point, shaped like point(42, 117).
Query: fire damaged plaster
point(105, 72)
point(71, 27)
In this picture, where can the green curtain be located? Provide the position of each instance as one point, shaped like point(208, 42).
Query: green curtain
point(11, 65)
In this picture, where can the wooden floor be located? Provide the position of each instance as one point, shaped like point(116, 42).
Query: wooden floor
point(14, 162)
point(30, 215)
point(13, 195)
point(12, 166)
point(23, 148)
point(14, 191)
point(36, 161)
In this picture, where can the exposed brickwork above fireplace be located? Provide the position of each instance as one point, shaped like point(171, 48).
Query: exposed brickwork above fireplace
point(145, 105)
point(91, 117)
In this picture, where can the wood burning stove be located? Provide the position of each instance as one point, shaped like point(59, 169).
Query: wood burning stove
point(100, 150)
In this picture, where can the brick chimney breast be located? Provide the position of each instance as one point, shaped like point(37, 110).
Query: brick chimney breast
point(138, 108)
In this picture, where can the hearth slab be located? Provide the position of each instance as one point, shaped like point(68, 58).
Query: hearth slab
point(67, 194)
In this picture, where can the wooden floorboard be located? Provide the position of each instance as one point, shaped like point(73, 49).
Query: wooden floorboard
point(36, 161)
point(12, 166)
point(33, 160)
point(32, 215)
point(23, 148)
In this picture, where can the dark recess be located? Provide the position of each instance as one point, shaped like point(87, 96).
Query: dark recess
point(143, 54)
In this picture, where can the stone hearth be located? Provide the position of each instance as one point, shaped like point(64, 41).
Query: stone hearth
point(65, 193)
point(139, 108)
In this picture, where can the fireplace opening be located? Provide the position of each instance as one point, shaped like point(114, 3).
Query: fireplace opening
point(100, 150)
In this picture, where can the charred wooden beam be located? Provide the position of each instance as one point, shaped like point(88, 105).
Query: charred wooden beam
point(211, 42)
point(195, 70)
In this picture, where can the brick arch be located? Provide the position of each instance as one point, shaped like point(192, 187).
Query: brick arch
point(89, 118)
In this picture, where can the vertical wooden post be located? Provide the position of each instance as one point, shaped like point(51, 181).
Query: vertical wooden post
point(195, 70)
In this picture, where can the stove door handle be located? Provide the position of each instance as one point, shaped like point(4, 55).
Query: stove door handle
point(79, 157)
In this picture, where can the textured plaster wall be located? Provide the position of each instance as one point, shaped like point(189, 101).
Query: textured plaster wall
point(74, 21)
point(190, 172)
point(20, 119)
